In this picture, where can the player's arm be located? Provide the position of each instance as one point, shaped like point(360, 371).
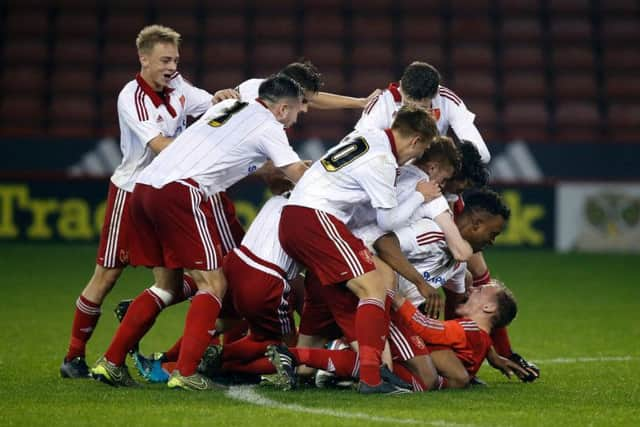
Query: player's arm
point(159, 143)
point(332, 101)
point(465, 129)
point(389, 250)
point(224, 94)
point(450, 367)
point(389, 219)
point(506, 366)
point(459, 248)
point(294, 171)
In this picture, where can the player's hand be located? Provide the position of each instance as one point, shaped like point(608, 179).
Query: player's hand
point(532, 372)
point(507, 367)
point(373, 95)
point(434, 303)
point(429, 190)
point(224, 94)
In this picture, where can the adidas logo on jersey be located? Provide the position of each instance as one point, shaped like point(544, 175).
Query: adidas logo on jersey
point(159, 119)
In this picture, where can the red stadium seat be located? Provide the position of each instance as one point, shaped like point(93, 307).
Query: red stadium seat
point(474, 85)
point(323, 5)
point(519, 8)
point(624, 122)
point(421, 29)
point(72, 116)
point(24, 80)
point(324, 54)
point(378, 55)
point(22, 23)
point(520, 86)
point(526, 120)
point(366, 80)
point(185, 23)
point(431, 53)
point(575, 8)
point(123, 26)
point(486, 117)
point(334, 82)
point(573, 58)
point(80, 52)
point(121, 54)
point(472, 56)
point(228, 54)
point(368, 29)
point(522, 56)
point(21, 116)
point(620, 30)
point(471, 29)
point(522, 30)
point(278, 27)
point(220, 26)
point(571, 30)
point(65, 81)
point(216, 79)
point(73, 24)
point(624, 59)
point(26, 52)
point(623, 88)
point(620, 7)
point(273, 54)
point(113, 80)
point(575, 86)
point(323, 26)
point(471, 7)
point(578, 121)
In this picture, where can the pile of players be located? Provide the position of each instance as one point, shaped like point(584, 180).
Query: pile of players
point(360, 246)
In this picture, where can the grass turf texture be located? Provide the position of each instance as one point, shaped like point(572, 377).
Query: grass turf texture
point(570, 306)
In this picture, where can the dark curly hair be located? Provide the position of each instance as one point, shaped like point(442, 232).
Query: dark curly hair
point(486, 200)
point(305, 73)
point(472, 168)
point(420, 80)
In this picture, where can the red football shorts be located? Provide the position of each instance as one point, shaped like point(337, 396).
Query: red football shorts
point(113, 251)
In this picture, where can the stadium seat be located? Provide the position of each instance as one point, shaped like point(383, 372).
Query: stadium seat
point(524, 8)
point(575, 86)
point(72, 80)
point(486, 118)
point(121, 54)
point(324, 54)
point(472, 56)
point(624, 122)
point(113, 80)
point(377, 55)
point(26, 52)
point(622, 88)
point(578, 122)
point(72, 24)
point(216, 79)
point(185, 23)
point(573, 58)
point(76, 51)
point(224, 26)
point(570, 30)
point(278, 27)
point(273, 54)
point(471, 7)
point(526, 120)
point(322, 5)
point(368, 29)
point(523, 57)
point(24, 80)
point(228, 54)
point(379, 6)
point(524, 85)
point(522, 30)
point(274, 7)
point(21, 23)
point(570, 8)
point(123, 26)
point(72, 116)
point(617, 31)
point(323, 26)
point(366, 79)
point(335, 82)
point(421, 29)
point(621, 60)
point(620, 7)
point(474, 85)
point(471, 29)
point(22, 116)
point(431, 53)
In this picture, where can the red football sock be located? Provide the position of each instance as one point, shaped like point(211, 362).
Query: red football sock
point(187, 290)
point(85, 320)
point(246, 349)
point(260, 366)
point(172, 354)
point(344, 363)
point(140, 316)
point(236, 332)
point(482, 279)
point(407, 376)
point(371, 334)
point(199, 326)
point(501, 342)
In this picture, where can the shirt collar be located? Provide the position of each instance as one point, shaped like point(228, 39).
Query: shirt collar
point(394, 88)
point(154, 96)
point(392, 143)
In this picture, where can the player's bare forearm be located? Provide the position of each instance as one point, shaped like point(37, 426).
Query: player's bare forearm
point(459, 248)
point(332, 101)
point(159, 143)
point(388, 248)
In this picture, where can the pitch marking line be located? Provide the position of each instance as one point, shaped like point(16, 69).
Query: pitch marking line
point(249, 395)
point(565, 360)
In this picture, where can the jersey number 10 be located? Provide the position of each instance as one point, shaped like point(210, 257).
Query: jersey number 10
point(345, 155)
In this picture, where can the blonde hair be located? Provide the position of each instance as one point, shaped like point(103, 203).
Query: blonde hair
point(150, 35)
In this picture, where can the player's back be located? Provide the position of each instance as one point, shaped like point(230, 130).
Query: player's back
point(230, 141)
point(262, 236)
point(359, 171)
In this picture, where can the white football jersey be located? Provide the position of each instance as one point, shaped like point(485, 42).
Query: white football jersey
point(249, 89)
point(144, 114)
point(262, 237)
point(424, 245)
point(448, 110)
point(359, 171)
point(230, 141)
point(363, 224)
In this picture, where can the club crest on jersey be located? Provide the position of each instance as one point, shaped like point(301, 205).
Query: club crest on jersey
point(417, 342)
point(182, 100)
point(435, 113)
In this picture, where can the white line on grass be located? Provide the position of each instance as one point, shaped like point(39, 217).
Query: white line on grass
point(560, 360)
point(249, 395)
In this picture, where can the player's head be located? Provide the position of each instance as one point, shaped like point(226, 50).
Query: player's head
point(441, 160)
point(283, 96)
point(493, 300)
point(419, 84)
point(307, 76)
point(473, 173)
point(414, 130)
point(158, 53)
point(483, 218)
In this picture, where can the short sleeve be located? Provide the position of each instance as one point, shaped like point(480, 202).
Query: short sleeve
point(378, 178)
point(135, 117)
point(197, 100)
point(431, 209)
point(376, 114)
point(276, 147)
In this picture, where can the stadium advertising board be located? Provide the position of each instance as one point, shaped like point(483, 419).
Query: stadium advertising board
point(73, 210)
point(596, 217)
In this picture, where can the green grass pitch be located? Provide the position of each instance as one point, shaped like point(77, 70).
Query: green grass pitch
point(571, 307)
